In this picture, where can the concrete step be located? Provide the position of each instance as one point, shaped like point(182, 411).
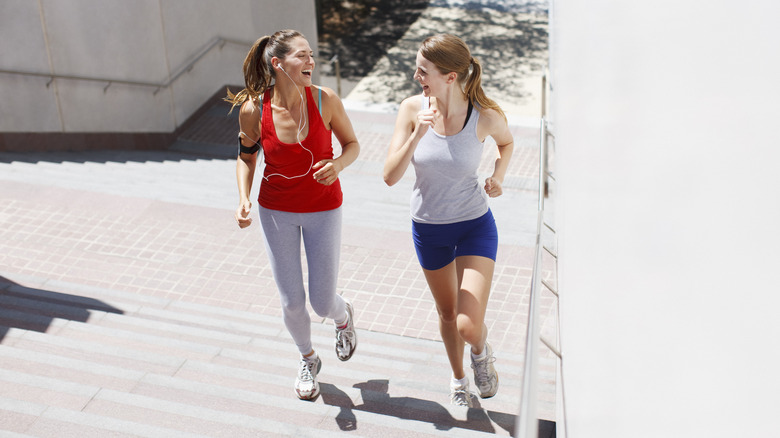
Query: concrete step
point(87, 361)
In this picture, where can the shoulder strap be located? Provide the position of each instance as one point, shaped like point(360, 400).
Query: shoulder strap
point(468, 114)
point(319, 101)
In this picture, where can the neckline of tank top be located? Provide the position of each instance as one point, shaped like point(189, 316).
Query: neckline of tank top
point(465, 122)
point(317, 111)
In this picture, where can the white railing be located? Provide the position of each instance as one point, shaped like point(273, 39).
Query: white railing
point(187, 67)
point(527, 421)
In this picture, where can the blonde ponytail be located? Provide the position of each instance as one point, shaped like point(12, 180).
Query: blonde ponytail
point(474, 91)
point(450, 54)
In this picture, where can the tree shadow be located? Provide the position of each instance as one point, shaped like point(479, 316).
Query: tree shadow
point(360, 33)
point(33, 309)
point(375, 397)
point(510, 46)
point(510, 40)
point(524, 6)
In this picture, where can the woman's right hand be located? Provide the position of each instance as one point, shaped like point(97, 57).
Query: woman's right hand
point(425, 119)
point(242, 214)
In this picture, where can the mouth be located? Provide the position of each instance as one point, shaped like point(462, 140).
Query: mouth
point(307, 73)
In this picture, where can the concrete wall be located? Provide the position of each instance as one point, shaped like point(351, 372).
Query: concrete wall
point(667, 214)
point(138, 40)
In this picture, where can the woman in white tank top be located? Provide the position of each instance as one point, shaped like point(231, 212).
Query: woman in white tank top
point(441, 133)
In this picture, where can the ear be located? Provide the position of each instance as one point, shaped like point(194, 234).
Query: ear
point(451, 77)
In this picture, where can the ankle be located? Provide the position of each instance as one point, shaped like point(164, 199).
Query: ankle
point(459, 383)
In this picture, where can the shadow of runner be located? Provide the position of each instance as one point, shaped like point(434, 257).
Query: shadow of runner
point(376, 399)
point(34, 309)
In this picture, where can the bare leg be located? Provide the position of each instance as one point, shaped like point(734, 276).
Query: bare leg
point(475, 276)
point(444, 288)
point(461, 291)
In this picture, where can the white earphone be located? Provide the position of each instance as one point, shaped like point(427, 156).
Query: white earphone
point(301, 125)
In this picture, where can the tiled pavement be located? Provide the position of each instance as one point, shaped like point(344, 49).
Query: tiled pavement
point(132, 305)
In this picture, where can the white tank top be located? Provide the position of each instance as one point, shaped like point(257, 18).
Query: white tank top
point(447, 188)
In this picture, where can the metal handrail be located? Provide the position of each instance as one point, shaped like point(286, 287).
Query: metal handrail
point(214, 42)
point(527, 422)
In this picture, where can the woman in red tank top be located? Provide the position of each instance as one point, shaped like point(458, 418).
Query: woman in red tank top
point(300, 194)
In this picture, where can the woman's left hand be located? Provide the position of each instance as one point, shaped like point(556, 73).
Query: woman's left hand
point(327, 171)
point(493, 187)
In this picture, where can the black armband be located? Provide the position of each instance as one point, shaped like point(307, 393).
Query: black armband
point(247, 149)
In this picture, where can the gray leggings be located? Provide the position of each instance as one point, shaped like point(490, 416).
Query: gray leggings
point(321, 233)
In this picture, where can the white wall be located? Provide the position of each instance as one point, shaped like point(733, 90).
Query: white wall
point(668, 211)
point(139, 40)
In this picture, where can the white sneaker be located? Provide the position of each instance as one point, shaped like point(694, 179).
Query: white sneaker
point(306, 385)
point(460, 395)
point(346, 338)
point(485, 375)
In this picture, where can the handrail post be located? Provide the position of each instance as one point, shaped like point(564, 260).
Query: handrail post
point(544, 96)
point(337, 66)
point(542, 166)
point(338, 76)
point(527, 421)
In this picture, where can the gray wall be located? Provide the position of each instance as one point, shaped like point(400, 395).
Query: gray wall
point(667, 215)
point(132, 40)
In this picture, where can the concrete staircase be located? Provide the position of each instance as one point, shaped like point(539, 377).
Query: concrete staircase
point(78, 360)
point(212, 130)
point(89, 362)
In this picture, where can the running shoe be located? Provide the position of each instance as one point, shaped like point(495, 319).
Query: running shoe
point(460, 395)
point(346, 338)
point(485, 375)
point(306, 385)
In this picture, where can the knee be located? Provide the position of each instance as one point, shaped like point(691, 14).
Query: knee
point(447, 316)
point(323, 307)
point(293, 306)
point(470, 330)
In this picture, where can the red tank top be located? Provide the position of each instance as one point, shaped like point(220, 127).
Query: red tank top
point(282, 188)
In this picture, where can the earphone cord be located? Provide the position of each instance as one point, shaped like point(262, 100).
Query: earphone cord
point(301, 126)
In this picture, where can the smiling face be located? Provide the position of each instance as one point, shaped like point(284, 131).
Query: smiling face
point(429, 76)
point(298, 64)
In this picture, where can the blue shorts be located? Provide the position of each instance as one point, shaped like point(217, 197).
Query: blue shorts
point(437, 245)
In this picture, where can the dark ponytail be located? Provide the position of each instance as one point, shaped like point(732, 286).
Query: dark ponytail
point(258, 74)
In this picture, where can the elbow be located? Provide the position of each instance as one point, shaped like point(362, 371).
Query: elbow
point(351, 147)
point(390, 180)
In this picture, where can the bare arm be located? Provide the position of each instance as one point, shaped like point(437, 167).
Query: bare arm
point(497, 128)
point(249, 123)
point(410, 125)
point(327, 171)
